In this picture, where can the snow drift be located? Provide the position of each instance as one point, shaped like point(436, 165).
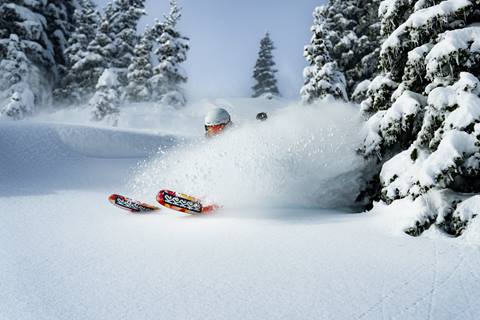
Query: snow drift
point(80, 155)
point(302, 156)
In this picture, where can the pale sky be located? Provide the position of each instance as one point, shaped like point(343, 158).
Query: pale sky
point(224, 39)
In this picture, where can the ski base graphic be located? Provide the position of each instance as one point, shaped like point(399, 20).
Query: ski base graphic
point(184, 203)
point(130, 204)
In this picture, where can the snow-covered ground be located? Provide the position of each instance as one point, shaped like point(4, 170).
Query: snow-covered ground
point(66, 253)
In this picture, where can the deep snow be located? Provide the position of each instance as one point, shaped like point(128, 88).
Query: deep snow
point(66, 253)
point(300, 157)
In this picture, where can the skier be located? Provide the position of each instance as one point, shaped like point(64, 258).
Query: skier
point(216, 121)
point(262, 116)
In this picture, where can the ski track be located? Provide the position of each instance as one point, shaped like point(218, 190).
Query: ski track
point(392, 293)
point(434, 281)
point(432, 293)
point(66, 253)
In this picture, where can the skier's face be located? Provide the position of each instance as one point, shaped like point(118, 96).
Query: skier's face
point(214, 130)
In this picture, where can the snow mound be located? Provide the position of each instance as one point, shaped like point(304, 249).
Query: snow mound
point(301, 157)
point(31, 142)
point(83, 155)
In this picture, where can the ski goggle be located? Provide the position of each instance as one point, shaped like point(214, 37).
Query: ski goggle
point(215, 129)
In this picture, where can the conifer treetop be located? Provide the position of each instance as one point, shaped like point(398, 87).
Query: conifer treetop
point(174, 15)
point(264, 71)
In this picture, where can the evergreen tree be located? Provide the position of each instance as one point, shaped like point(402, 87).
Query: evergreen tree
point(27, 20)
point(366, 50)
point(42, 27)
point(105, 102)
point(322, 77)
point(264, 71)
point(99, 54)
point(171, 52)
point(111, 47)
point(76, 79)
point(124, 22)
point(351, 32)
point(140, 70)
point(60, 24)
point(18, 98)
point(424, 108)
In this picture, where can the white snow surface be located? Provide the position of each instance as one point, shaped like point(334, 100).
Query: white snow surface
point(66, 253)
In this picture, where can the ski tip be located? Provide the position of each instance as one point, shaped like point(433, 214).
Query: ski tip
point(113, 197)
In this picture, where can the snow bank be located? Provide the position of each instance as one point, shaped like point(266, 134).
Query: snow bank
point(399, 215)
point(302, 156)
point(430, 211)
point(37, 157)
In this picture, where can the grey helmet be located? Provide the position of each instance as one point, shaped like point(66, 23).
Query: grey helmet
point(217, 117)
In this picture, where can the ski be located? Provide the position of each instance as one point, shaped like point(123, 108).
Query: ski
point(130, 204)
point(184, 203)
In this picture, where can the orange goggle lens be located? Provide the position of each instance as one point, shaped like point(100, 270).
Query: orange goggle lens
point(215, 129)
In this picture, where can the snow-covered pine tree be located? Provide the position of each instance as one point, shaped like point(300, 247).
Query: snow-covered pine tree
point(322, 77)
point(124, 27)
point(111, 47)
point(17, 99)
point(428, 126)
point(76, 83)
point(352, 31)
point(340, 19)
point(366, 50)
point(140, 70)
point(60, 18)
point(100, 52)
point(264, 71)
point(27, 20)
point(171, 52)
point(105, 102)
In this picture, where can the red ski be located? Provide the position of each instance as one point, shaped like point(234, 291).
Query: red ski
point(184, 203)
point(131, 205)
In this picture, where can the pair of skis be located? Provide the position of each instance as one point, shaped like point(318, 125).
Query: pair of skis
point(168, 199)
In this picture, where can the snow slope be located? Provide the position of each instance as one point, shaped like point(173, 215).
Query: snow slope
point(66, 253)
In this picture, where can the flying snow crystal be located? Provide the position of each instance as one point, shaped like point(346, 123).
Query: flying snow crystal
point(300, 157)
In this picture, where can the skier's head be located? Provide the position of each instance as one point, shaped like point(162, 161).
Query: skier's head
point(262, 116)
point(216, 121)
